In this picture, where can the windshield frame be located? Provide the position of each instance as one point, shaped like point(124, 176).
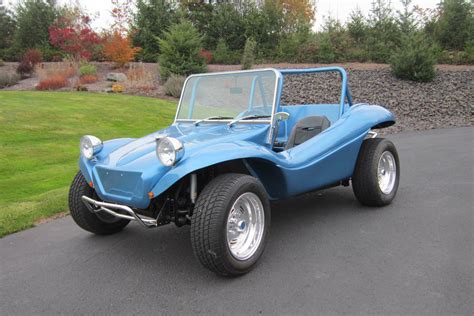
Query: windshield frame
point(278, 78)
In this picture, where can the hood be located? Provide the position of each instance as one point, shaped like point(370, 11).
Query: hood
point(140, 150)
point(126, 170)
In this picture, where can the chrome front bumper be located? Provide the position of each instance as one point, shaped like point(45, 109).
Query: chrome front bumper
point(127, 213)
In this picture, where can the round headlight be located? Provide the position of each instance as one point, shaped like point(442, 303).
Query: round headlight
point(169, 150)
point(90, 146)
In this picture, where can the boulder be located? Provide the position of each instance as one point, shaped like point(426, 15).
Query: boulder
point(116, 77)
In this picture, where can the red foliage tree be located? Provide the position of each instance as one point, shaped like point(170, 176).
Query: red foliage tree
point(74, 36)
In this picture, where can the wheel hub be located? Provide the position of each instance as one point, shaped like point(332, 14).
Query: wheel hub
point(386, 172)
point(245, 226)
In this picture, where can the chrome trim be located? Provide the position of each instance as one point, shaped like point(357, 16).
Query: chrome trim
point(278, 79)
point(108, 207)
point(193, 189)
point(371, 134)
point(177, 146)
point(279, 117)
point(222, 121)
point(243, 118)
point(386, 172)
point(95, 143)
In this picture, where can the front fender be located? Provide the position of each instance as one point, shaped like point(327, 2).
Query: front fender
point(211, 155)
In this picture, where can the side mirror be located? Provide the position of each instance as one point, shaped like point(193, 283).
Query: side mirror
point(281, 116)
point(278, 117)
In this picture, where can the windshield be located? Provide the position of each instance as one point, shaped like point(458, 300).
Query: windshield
point(228, 96)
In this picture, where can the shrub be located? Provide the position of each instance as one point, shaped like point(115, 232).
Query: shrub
point(24, 69)
point(118, 48)
point(78, 86)
point(325, 51)
point(223, 55)
point(7, 80)
point(174, 85)
point(248, 58)
point(54, 82)
point(86, 79)
point(66, 69)
point(28, 62)
point(180, 47)
point(296, 48)
point(207, 55)
point(139, 78)
point(87, 69)
point(414, 60)
point(33, 57)
point(69, 72)
point(2, 63)
point(117, 88)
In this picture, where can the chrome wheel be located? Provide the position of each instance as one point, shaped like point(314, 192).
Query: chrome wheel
point(245, 226)
point(386, 172)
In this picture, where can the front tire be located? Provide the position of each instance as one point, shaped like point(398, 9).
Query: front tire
point(230, 224)
point(99, 224)
point(377, 172)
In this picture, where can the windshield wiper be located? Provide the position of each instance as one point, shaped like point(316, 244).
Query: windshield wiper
point(210, 118)
point(248, 117)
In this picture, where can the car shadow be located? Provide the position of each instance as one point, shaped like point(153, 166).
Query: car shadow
point(167, 250)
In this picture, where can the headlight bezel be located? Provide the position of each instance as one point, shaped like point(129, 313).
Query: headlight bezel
point(90, 146)
point(163, 147)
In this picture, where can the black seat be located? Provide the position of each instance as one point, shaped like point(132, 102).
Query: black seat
point(307, 128)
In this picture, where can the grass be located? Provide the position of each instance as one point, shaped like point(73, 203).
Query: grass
point(39, 144)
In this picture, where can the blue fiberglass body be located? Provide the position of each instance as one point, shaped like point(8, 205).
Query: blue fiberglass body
point(126, 170)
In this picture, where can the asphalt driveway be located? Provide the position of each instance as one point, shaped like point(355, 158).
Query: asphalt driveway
point(327, 254)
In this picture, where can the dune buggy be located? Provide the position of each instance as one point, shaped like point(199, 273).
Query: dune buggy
point(234, 145)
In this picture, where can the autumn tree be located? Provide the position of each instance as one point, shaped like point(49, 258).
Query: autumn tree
point(118, 48)
point(72, 33)
point(298, 12)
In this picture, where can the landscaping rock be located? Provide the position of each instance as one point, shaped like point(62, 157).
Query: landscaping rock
point(445, 102)
point(116, 77)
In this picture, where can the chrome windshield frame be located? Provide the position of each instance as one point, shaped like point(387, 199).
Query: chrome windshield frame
point(278, 77)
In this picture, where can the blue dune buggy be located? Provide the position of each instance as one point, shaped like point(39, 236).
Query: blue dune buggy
point(234, 146)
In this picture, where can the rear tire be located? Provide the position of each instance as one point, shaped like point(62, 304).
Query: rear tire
point(86, 219)
point(377, 172)
point(230, 224)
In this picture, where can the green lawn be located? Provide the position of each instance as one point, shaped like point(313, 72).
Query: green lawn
point(39, 144)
